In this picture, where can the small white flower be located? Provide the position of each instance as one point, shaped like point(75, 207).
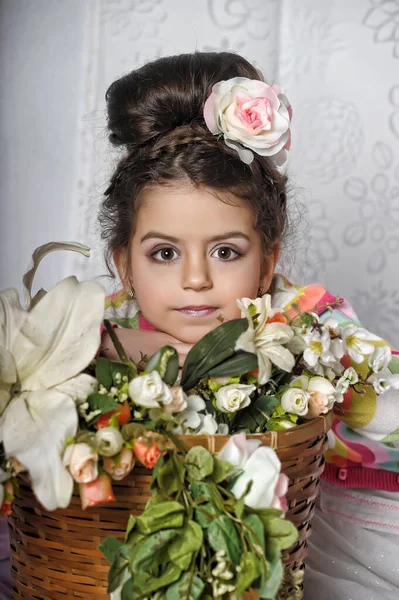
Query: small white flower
point(380, 358)
point(109, 441)
point(295, 401)
point(383, 382)
point(317, 348)
point(234, 397)
point(150, 391)
point(266, 339)
point(356, 342)
point(189, 417)
point(208, 425)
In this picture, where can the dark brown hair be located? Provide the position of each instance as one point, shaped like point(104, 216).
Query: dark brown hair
point(156, 114)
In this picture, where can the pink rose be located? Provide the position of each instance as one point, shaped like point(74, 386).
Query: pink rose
point(119, 466)
point(279, 500)
point(318, 405)
point(82, 462)
point(147, 452)
point(252, 114)
point(96, 492)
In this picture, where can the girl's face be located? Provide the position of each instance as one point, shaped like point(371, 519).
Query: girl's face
point(192, 256)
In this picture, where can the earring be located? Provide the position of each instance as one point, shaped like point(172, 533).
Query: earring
point(261, 292)
point(131, 294)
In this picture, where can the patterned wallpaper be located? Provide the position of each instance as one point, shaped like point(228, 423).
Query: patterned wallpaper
point(338, 62)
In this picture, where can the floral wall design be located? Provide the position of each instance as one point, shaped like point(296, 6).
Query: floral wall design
point(338, 62)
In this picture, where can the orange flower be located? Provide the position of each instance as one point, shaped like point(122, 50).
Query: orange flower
point(96, 492)
point(278, 318)
point(147, 455)
point(123, 413)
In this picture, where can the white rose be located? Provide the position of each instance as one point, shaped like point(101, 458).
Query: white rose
point(150, 391)
point(249, 113)
point(295, 401)
point(109, 441)
point(234, 397)
point(380, 358)
point(263, 469)
point(82, 461)
point(238, 449)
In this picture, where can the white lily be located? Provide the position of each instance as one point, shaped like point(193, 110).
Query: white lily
point(357, 342)
point(43, 352)
point(265, 339)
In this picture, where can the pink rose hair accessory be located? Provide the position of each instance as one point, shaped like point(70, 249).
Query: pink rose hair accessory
point(252, 116)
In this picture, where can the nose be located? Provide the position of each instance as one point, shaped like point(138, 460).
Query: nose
point(196, 273)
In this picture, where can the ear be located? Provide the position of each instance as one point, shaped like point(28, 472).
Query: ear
point(269, 264)
point(120, 261)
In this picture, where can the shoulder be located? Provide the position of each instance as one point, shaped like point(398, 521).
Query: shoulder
point(121, 309)
point(313, 297)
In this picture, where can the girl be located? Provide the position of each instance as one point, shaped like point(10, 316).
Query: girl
point(193, 219)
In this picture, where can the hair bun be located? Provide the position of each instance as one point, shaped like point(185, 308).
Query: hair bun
point(166, 94)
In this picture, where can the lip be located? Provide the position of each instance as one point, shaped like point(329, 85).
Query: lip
point(197, 311)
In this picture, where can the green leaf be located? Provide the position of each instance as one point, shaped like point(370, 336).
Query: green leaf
point(162, 515)
point(189, 541)
point(282, 532)
point(130, 526)
point(106, 371)
point(205, 514)
point(257, 532)
point(221, 469)
point(146, 553)
point(235, 366)
point(272, 580)
point(249, 571)
point(119, 572)
point(223, 535)
point(102, 402)
point(239, 507)
point(170, 477)
point(199, 463)
point(109, 547)
point(394, 365)
point(166, 363)
point(211, 350)
point(171, 574)
point(201, 492)
point(187, 588)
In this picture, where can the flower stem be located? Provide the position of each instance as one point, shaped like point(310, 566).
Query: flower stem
point(115, 340)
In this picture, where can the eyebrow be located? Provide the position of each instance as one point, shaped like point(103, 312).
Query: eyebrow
point(216, 238)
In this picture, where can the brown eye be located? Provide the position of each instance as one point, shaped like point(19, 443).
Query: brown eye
point(165, 255)
point(225, 253)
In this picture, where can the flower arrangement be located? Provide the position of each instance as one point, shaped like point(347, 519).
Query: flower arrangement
point(213, 527)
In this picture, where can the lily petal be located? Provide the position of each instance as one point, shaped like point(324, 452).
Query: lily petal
point(78, 388)
point(60, 335)
point(34, 429)
point(12, 317)
point(281, 357)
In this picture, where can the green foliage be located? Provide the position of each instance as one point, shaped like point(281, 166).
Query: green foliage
point(194, 531)
point(210, 351)
point(166, 363)
point(109, 371)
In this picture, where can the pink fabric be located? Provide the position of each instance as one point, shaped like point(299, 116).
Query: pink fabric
point(362, 477)
point(144, 324)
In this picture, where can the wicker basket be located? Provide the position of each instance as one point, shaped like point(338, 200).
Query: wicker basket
point(55, 555)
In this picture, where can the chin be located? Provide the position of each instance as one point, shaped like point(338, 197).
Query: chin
point(192, 335)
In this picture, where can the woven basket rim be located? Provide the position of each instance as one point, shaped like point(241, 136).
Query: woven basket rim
point(275, 439)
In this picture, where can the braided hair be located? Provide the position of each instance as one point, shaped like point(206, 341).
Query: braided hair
point(155, 114)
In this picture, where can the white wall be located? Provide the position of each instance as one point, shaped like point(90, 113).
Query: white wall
point(41, 75)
